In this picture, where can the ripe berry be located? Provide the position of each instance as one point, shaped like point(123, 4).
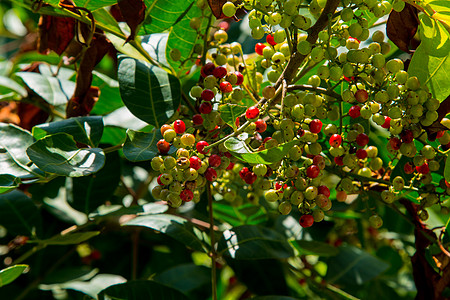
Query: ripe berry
point(270, 40)
point(339, 160)
point(186, 195)
point(362, 139)
point(324, 190)
point(219, 72)
point(250, 178)
point(408, 168)
point(207, 69)
point(205, 108)
point(259, 48)
point(210, 174)
point(179, 126)
point(195, 162)
point(207, 95)
point(306, 221)
point(407, 136)
point(163, 146)
point(214, 160)
point(361, 96)
point(312, 171)
point(335, 140)
point(361, 153)
point(226, 87)
point(252, 113)
point(197, 119)
point(354, 111)
point(244, 171)
point(315, 126)
point(261, 125)
point(387, 123)
point(240, 78)
point(201, 146)
point(423, 169)
point(395, 143)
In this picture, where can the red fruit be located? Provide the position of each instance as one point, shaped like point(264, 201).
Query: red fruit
point(244, 171)
point(339, 160)
point(163, 146)
point(395, 143)
point(315, 126)
point(207, 69)
point(186, 195)
point(210, 174)
point(440, 134)
point(354, 111)
point(423, 169)
point(226, 87)
point(362, 139)
point(267, 139)
point(240, 78)
point(335, 140)
point(361, 153)
point(228, 154)
point(158, 180)
point(205, 108)
point(306, 221)
point(195, 162)
point(250, 178)
point(252, 112)
point(324, 190)
point(164, 128)
point(407, 136)
point(220, 72)
point(278, 185)
point(261, 125)
point(387, 123)
point(408, 168)
point(201, 147)
point(230, 166)
point(361, 96)
point(270, 40)
point(179, 126)
point(224, 25)
point(259, 48)
point(312, 171)
point(197, 119)
point(214, 160)
point(319, 161)
point(207, 95)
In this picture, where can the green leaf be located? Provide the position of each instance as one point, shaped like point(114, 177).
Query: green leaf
point(254, 242)
point(119, 210)
point(229, 113)
point(140, 146)
point(447, 169)
point(93, 5)
point(86, 130)
point(141, 290)
point(106, 20)
point(59, 154)
point(68, 239)
point(7, 85)
point(119, 42)
point(52, 89)
point(123, 118)
point(109, 99)
point(176, 227)
point(244, 214)
point(273, 298)
point(160, 15)
point(155, 45)
point(185, 277)
point(239, 149)
point(446, 237)
point(18, 214)
point(10, 274)
point(314, 248)
point(150, 93)
point(8, 183)
point(353, 266)
point(13, 144)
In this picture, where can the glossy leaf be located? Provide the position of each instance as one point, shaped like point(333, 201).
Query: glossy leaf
point(123, 118)
point(315, 248)
point(52, 89)
point(150, 93)
point(140, 146)
point(237, 215)
point(119, 210)
point(107, 21)
point(8, 183)
point(141, 290)
point(93, 5)
point(59, 154)
point(86, 130)
point(8, 85)
point(254, 242)
point(155, 44)
point(10, 274)
point(18, 214)
point(69, 239)
point(176, 227)
point(185, 277)
point(240, 150)
point(109, 99)
point(229, 113)
point(354, 266)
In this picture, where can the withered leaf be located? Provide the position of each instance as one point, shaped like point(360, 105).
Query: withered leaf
point(55, 33)
point(402, 26)
point(133, 11)
point(216, 8)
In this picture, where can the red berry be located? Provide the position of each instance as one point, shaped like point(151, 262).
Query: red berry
point(195, 162)
point(244, 171)
point(201, 147)
point(306, 221)
point(207, 95)
point(252, 112)
point(220, 72)
point(312, 171)
point(207, 69)
point(259, 48)
point(179, 126)
point(261, 125)
point(315, 126)
point(408, 168)
point(186, 195)
point(407, 136)
point(205, 108)
point(362, 139)
point(214, 160)
point(270, 40)
point(395, 143)
point(361, 153)
point(158, 180)
point(250, 178)
point(423, 169)
point(230, 166)
point(224, 25)
point(339, 160)
point(335, 140)
point(226, 87)
point(319, 161)
point(361, 96)
point(163, 146)
point(354, 111)
point(267, 139)
point(387, 123)
point(197, 119)
point(240, 78)
point(440, 134)
point(210, 174)
point(324, 190)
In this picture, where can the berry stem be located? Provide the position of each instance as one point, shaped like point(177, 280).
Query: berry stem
point(212, 237)
point(305, 87)
point(188, 102)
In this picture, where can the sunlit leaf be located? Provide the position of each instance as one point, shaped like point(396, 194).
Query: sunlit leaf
point(10, 274)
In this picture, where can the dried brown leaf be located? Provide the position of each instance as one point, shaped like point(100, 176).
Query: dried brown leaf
point(402, 26)
point(133, 11)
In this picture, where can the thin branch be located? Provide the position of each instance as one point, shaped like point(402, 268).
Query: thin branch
point(213, 242)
